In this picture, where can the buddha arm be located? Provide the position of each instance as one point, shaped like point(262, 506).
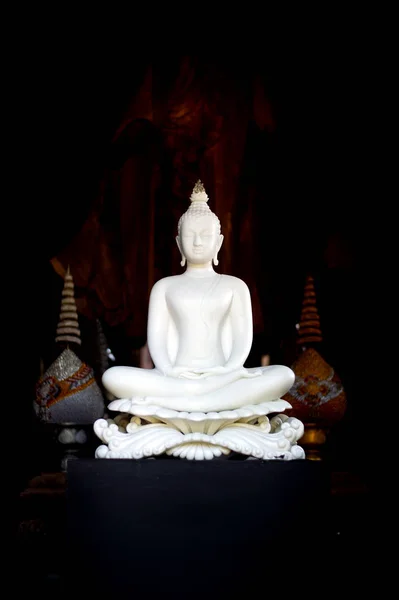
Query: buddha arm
point(158, 321)
point(241, 325)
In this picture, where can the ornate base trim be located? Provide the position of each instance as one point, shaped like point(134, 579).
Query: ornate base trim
point(202, 436)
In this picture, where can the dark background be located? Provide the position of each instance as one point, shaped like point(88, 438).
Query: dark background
point(321, 175)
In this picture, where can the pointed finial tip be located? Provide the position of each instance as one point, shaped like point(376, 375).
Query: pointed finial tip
point(199, 194)
point(199, 187)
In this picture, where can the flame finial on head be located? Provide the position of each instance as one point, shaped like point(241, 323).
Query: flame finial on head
point(199, 194)
point(199, 187)
point(198, 206)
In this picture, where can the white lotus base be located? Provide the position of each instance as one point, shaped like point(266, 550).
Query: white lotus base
point(200, 436)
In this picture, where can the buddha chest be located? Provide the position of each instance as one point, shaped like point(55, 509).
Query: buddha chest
point(204, 300)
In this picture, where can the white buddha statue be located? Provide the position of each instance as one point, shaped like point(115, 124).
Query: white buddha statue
point(199, 334)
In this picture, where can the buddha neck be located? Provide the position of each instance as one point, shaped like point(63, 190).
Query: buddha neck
point(203, 270)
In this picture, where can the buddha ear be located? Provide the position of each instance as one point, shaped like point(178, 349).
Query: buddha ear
point(183, 258)
point(218, 246)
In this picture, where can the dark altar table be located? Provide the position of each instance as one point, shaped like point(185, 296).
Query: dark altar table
point(196, 529)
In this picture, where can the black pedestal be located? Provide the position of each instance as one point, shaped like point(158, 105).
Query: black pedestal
point(184, 529)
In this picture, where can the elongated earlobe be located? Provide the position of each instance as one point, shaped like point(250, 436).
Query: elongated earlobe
point(183, 258)
point(215, 258)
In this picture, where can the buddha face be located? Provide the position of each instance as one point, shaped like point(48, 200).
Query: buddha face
point(199, 240)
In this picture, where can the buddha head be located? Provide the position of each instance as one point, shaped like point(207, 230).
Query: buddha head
point(198, 233)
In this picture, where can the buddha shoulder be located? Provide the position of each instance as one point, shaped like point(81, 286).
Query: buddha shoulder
point(236, 284)
point(163, 284)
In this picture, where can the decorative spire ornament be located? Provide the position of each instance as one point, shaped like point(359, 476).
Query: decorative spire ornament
point(68, 325)
point(317, 396)
point(67, 392)
point(309, 325)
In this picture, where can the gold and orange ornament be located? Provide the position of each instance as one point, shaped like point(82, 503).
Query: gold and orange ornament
point(317, 396)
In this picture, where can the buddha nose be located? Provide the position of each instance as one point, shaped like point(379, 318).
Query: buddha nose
point(197, 240)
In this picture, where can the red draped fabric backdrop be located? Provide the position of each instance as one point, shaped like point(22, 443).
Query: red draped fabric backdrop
point(192, 120)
